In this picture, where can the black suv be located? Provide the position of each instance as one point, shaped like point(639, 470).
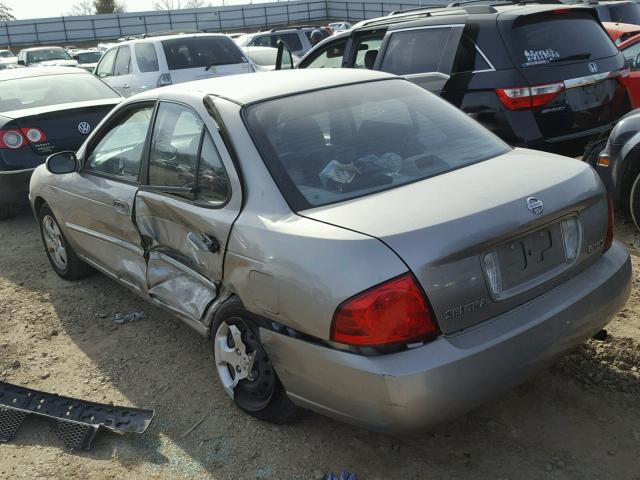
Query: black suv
point(539, 76)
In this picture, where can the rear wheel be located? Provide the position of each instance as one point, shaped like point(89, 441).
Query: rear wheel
point(244, 368)
point(634, 202)
point(63, 259)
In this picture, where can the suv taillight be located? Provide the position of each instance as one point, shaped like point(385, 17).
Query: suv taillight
point(608, 241)
point(521, 98)
point(393, 312)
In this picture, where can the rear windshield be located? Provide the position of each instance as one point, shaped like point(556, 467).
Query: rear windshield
point(46, 54)
point(195, 52)
point(620, 13)
point(333, 145)
point(51, 90)
point(553, 38)
point(89, 57)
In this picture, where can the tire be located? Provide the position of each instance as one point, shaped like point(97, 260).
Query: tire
point(6, 212)
point(634, 202)
point(63, 259)
point(260, 394)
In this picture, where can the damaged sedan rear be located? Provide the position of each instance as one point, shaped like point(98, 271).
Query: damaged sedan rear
point(351, 243)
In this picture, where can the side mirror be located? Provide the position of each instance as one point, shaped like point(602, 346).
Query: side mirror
point(62, 162)
point(284, 59)
point(21, 62)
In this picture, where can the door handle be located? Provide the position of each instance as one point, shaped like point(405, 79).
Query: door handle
point(126, 85)
point(121, 207)
point(204, 242)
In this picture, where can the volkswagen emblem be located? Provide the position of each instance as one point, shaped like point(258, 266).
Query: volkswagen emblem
point(536, 206)
point(593, 67)
point(84, 128)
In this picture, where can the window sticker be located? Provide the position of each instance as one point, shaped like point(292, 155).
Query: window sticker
point(540, 57)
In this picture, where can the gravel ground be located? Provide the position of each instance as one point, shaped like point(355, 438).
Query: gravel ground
point(579, 420)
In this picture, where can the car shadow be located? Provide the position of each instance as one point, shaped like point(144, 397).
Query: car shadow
point(162, 364)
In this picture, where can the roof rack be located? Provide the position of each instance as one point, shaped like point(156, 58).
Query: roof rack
point(416, 9)
point(292, 27)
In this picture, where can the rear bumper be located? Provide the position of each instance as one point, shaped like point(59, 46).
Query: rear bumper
point(424, 386)
point(14, 187)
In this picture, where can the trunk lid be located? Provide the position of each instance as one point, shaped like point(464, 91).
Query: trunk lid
point(191, 74)
point(448, 223)
point(544, 49)
point(62, 123)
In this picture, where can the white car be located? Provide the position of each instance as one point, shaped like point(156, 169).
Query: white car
point(45, 57)
point(87, 59)
point(264, 58)
point(138, 65)
point(7, 58)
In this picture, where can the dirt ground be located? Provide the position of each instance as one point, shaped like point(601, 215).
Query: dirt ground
point(579, 420)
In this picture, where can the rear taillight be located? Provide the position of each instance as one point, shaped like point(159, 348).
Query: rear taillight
point(164, 80)
point(14, 138)
point(521, 98)
point(608, 241)
point(393, 312)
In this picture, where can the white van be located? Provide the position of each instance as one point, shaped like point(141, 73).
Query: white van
point(142, 64)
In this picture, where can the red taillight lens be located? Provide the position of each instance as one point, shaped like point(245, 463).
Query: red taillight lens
point(608, 241)
point(521, 98)
point(393, 312)
point(34, 135)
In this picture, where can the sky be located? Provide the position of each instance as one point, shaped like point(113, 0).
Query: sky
point(23, 9)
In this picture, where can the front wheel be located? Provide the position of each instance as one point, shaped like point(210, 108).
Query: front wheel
point(244, 369)
point(63, 259)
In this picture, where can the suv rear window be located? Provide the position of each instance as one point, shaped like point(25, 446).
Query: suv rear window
point(195, 52)
point(333, 145)
point(549, 38)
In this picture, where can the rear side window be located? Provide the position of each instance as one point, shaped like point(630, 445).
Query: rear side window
point(623, 12)
point(201, 52)
point(291, 39)
point(415, 51)
point(552, 38)
point(468, 57)
point(123, 61)
point(146, 57)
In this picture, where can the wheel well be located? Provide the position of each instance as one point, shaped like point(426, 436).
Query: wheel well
point(628, 176)
point(38, 203)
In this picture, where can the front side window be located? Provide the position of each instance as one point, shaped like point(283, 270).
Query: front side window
point(123, 61)
point(52, 90)
point(201, 52)
point(367, 49)
point(173, 158)
point(416, 51)
point(119, 152)
point(333, 145)
point(146, 57)
point(330, 56)
point(105, 67)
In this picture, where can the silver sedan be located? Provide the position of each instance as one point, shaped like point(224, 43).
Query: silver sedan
point(351, 243)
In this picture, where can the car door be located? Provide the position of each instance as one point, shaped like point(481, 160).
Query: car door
point(423, 55)
point(146, 67)
point(122, 74)
point(100, 197)
point(185, 210)
point(632, 82)
point(329, 56)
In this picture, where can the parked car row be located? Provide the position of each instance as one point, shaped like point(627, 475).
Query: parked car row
point(249, 203)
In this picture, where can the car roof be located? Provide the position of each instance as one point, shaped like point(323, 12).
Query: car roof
point(248, 88)
point(32, 49)
point(17, 73)
point(161, 38)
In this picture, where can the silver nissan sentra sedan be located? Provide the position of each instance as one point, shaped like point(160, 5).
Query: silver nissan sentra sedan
point(351, 243)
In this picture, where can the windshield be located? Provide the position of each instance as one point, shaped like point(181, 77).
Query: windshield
point(551, 38)
point(47, 54)
point(5, 54)
point(333, 145)
point(205, 51)
point(621, 13)
point(51, 90)
point(89, 57)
